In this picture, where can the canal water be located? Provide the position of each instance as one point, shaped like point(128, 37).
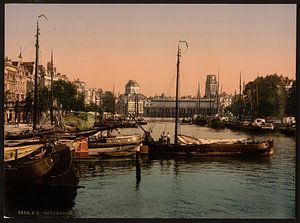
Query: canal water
point(190, 187)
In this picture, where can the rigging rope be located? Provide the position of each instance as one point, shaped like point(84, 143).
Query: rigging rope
point(163, 104)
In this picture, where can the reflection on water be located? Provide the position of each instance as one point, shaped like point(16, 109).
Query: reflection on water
point(191, 187)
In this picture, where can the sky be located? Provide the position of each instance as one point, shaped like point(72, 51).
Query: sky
point(106, 45)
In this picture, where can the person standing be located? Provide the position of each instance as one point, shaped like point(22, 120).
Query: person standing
point(168, 138)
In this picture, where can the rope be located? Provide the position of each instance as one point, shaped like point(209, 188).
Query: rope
point(163, 104)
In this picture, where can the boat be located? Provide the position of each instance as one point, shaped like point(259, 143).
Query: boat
point(193, 147)
point(17, 151)
point(249, 126)
point(113, 145)
point(27, 166)
point(35, 158)
point(216, 123)
point(28, 134)
point(200, 121)
point(142, 121)
point(186, 121)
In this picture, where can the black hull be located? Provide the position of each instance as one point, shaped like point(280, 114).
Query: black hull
point(216, 124)
point(201, 122)
point(236, 149)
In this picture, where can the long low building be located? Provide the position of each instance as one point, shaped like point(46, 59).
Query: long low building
point(187, 107)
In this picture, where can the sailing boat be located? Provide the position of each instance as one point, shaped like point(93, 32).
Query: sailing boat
point(189, 146)
point(35, 161)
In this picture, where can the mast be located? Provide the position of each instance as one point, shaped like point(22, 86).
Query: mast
point(51, 91)
point(35, 101)
point(137, 105)
point(240, 111)
point(177, 96)
point(221, 106)
point(177, 90)
point(35, 76)
point(257, 96)
point(199, 98)
point(218, 92)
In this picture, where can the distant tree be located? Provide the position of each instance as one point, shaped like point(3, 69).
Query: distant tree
point(91, 107)
point(28, 107)
point(43, 99)
point(78, 104)
point(108, 102)
point(65, 93)
point(263, 97)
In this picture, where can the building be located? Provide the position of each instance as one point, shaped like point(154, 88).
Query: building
point(46, 75)
point(132, 101)
point(132, 87)
point(15, 87)
point(91, 95)
point(166, 107)
point(211, 86)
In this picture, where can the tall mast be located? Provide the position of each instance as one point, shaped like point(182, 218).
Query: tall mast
point(177, 91)
point(35, 76)
point(35, 101)
point(177, 96)
point(137, 105)
point(240, 112)
point(218, 91)
point(199, 97)
point(257, 96)
point(51, 90)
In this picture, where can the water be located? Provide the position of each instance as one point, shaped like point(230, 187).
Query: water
point(190, 187)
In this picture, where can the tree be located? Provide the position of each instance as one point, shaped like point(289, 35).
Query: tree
point(28, 107)
point(43, 99)
point(263, 97)
point(108, 103)
point(79, 103)
point(65, 93)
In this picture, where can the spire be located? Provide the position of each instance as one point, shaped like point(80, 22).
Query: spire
point(20, 55)
point(198, 91)
point(51, 58)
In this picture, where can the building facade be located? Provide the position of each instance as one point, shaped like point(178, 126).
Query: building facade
point(211, 86)
point(15, 87)
point(132, 101)
point(166, 107)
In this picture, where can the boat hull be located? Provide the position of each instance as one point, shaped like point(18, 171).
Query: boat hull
point(29, 173)
point(114, 146)
point(110, 151)
point(264, 148)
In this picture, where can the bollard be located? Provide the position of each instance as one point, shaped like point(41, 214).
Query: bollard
point(138, 166)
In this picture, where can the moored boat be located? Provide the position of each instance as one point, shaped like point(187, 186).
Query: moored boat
point(30, 169)
point(189, 146)
point(100, 144)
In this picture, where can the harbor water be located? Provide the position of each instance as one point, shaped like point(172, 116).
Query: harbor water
point(208, 187)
